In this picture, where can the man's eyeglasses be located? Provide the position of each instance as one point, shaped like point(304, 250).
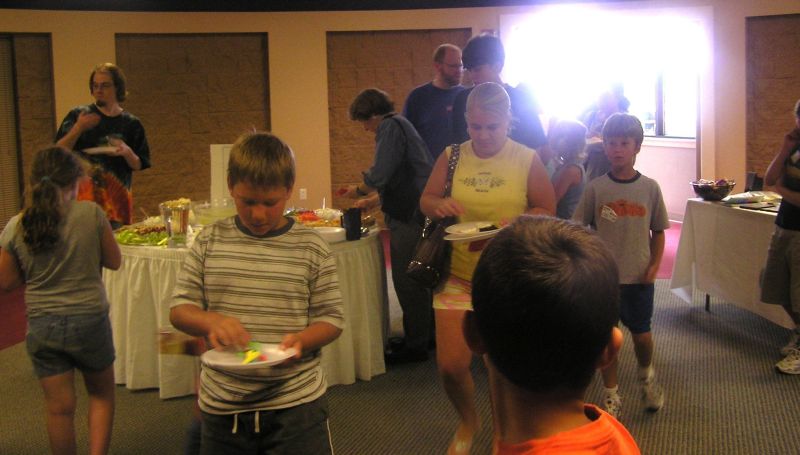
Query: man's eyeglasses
point(455, 66)
point(102, 85)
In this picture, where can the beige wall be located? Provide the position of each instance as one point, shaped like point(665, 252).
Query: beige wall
point(298, 76)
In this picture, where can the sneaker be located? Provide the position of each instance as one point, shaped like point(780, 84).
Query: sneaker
point(794, 343)
point(791, 363)
point(652, 394)
point(613, 404)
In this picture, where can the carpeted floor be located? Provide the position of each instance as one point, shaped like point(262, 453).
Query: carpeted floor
point(723, 396)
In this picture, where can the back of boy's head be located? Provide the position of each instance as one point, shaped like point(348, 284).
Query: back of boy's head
point(484, 49)
point(568, 139)
point(545, 297)
point(623, 125)
point(262, 160)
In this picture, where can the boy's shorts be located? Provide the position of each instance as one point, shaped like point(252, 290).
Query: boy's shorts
point(636, 306)
point(780, 284)
point(456, 294)
point(60, 343)
point(298, 430)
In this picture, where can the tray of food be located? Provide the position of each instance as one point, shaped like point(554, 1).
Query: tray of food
point(149, 232)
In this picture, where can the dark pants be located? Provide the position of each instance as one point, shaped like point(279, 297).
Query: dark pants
point(297, 430)
point(415, 301)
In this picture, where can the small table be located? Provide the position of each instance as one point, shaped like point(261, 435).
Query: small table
point(722, 252)
point(141, 290)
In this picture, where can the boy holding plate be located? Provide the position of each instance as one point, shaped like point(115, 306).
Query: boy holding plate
point(259, 276)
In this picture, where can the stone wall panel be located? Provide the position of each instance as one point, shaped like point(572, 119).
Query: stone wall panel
point(34, 91)
point(395, 62)
point(773, 85)
point(191, 91)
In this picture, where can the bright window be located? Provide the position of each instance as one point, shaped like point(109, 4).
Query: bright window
point(569, 55)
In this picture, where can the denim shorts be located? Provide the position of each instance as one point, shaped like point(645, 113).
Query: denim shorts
point(780, 282)
point(636, 306)
point(60, 343)
point(298, 430)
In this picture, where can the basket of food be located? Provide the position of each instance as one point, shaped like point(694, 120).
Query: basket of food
point(713, 190)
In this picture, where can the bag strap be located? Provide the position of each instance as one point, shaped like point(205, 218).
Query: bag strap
point(455, 152)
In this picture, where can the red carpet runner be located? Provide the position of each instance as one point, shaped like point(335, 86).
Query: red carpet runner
point(12, 317)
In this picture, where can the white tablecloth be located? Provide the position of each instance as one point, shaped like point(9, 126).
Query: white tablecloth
point(722, 251)
point(140, 292)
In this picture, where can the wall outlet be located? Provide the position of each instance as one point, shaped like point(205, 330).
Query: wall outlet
point(303, 194)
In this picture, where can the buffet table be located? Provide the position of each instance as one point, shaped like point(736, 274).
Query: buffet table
point(722, 251)
point(140, 293)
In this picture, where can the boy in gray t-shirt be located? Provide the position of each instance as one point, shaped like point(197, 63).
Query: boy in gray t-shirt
point(628, 212)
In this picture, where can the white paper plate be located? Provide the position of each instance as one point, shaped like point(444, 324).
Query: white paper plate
point(100, 150)
point(233, 361)
point(469, 228)
point(471, 237)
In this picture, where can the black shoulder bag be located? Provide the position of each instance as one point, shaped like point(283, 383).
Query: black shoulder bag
point(432, 254)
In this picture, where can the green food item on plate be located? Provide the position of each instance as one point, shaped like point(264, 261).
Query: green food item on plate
point(129, 237)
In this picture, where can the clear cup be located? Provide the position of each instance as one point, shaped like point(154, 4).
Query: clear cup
point(176, 219)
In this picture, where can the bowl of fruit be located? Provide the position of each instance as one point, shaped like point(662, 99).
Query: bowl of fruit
point(713, 190)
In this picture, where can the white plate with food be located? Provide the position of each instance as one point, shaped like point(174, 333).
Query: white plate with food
point(471, 231)
point(471, 237)
point(100, 150)
point(268, 354)
point(471, 227)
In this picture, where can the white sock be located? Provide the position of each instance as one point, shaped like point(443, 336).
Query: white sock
point(647, 373)
point(612, 390)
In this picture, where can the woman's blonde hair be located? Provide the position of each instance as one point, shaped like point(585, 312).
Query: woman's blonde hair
point(262, 160)
point(489, 97)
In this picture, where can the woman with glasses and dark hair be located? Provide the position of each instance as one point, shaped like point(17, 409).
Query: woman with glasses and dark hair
point(398, 174)
point(111, 139)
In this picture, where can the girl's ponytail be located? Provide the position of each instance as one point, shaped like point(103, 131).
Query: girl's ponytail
point(54, 170)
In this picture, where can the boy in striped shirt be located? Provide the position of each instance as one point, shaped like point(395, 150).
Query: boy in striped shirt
point(258, 276)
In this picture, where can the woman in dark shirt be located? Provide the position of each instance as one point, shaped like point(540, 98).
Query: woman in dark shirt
point(398, 173)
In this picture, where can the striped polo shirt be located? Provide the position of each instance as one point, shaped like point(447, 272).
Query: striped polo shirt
point(275, 285)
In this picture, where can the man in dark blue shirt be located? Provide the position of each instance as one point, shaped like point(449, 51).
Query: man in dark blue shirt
point(484, 57)
point(429, 107)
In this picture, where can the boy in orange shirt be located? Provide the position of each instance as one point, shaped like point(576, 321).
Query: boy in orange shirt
point(545, 296)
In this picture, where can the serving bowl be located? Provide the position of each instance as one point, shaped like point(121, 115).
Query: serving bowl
point(710, 190)
point(331, 234)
